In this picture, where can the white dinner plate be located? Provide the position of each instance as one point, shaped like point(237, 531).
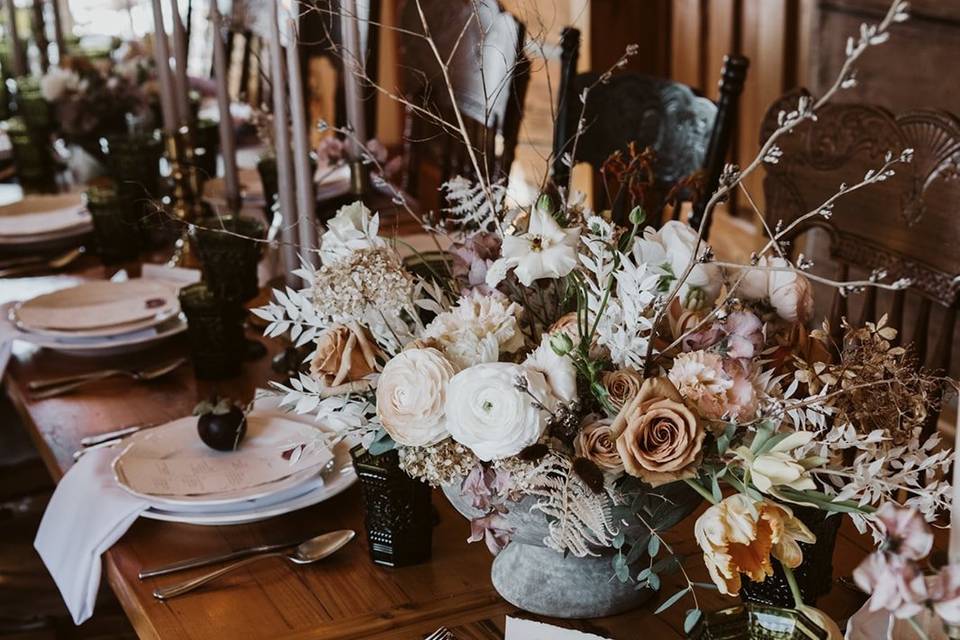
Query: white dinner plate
point(44, 217)
point(267, 434)
point(96, 347)
point(337, 480)
point(99, 308)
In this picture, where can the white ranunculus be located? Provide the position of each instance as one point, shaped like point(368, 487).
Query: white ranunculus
point(56, 82)
point(546, 250)
point(411, 396)
point(351, 229)
point(668, 251)
point(487, 413)
point(558, 370)
point(790, 293)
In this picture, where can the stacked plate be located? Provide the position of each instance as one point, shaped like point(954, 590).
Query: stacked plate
point(98, 318)
point(43, 222)
point(280, 466)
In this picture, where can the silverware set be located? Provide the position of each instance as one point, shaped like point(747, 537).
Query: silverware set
point(307, 552)
point(52, 387)
point(108, 439)
point(32, 264)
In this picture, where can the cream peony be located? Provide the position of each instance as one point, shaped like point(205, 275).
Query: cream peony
point(411, 396)
point(669, 251)
point(489, 414)
point(546, 250)
point(478, 329)
point(739, 535)
point(558, 370)
point(352, 228)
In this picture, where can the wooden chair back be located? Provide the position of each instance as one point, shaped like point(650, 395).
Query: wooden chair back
point(904, 226)
point(489, 74)
point(687, 132)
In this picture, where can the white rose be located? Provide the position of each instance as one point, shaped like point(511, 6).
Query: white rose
point(351, 229)
point(487, 413)
point(411, 395)
point(790, 293)
point(558, 370)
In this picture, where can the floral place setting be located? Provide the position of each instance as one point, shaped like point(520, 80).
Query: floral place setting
point(630, 426)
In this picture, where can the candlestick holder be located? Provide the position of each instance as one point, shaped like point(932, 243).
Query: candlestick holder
point(359, 178)
point(183, 202)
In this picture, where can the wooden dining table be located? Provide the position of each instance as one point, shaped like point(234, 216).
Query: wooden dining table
point(343, 597)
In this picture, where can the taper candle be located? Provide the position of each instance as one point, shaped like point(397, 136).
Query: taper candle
point(228, 145)
point(180, 83)
point(353, 65)
point(161, 54)
point(306, 204)
point(16, 49)
point(954, 554)
point(285, 194)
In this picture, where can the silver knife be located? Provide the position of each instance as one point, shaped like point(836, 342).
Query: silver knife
point(204, 561)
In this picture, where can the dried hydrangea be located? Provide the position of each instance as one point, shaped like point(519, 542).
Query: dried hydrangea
point(369, 283)
point(445, 462)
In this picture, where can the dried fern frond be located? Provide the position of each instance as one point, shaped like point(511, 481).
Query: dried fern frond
point(470, 207)
point(579, 518)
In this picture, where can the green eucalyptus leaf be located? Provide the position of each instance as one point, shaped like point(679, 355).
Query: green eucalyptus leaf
point(672, 600)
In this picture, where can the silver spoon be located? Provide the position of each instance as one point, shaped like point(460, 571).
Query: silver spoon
point(312, 550)
point(140, 376)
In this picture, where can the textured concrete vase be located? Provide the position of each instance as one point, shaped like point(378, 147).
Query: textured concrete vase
point(540, 580)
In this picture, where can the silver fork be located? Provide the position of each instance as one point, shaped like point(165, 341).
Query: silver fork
point(440, 634)
point(55, 387)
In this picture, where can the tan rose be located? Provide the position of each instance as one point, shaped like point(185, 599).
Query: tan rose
point(621, 385)
point(343, 355)
point(658, 437)
point(595, 443)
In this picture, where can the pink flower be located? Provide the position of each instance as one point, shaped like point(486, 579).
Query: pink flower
point(744, 334)
point(894, 585)
point(486, 487)
point(493, 530)
point(908, 535)
point(945, 593)
point(742, 395)
point(472, 259)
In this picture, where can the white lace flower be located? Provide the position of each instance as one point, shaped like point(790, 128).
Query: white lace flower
point(546, 250)
point(478, 329)
point(350, 230)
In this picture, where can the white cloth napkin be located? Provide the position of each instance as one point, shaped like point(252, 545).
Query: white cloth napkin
point(520, 629)
point(86, 515)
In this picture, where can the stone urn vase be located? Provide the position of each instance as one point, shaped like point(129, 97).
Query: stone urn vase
point(538, 579)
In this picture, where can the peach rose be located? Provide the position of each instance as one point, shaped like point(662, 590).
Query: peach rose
point(594, 442)
point(658, 438)
point(343, 355)
point(621, 385)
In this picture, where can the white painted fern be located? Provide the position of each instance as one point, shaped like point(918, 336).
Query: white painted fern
point(470, 207)
point(579, 519)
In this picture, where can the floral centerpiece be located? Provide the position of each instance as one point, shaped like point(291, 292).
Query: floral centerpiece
point(577, 385)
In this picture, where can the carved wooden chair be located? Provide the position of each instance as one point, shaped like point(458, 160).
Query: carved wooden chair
point(687, 132)
point(905, 226)
point(489, 74)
